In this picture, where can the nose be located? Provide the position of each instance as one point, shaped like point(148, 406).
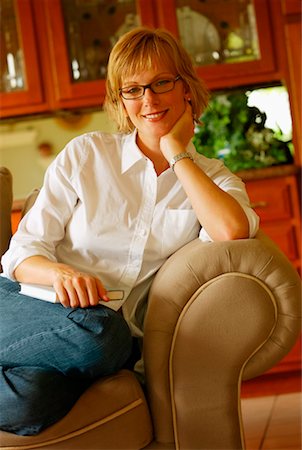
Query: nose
point(149, 95)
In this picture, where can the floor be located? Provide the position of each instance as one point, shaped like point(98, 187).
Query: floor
point(273, 422)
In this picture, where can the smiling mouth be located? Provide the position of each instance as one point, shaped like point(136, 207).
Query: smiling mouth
point(155, 116)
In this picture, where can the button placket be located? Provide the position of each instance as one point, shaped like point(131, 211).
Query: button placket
point(142, 228)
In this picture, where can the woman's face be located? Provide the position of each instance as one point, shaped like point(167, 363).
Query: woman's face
point(155, 114)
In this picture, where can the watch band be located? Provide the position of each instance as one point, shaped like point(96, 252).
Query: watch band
point(178, 157)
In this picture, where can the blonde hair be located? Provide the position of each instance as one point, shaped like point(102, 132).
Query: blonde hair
point(136, 52)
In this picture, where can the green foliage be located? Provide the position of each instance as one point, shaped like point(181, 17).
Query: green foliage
point(235, 131)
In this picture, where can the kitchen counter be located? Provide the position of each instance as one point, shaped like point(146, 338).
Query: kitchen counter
point(268, 172)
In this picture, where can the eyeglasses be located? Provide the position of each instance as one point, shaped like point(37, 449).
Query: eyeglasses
point(157, 87)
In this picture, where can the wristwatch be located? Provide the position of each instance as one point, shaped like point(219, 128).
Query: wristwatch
point(178, 158)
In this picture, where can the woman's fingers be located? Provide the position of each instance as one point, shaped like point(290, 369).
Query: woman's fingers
point(79, 290)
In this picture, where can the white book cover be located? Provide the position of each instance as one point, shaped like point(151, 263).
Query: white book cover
point(48, 294)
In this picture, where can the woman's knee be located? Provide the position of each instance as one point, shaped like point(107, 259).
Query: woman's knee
point(105, 343)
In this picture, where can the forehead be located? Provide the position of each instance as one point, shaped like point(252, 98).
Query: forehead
point(148, 71)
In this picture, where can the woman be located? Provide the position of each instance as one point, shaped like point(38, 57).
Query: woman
point(111, 211)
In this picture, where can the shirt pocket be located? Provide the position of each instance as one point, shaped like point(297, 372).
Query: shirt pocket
point(180, 227)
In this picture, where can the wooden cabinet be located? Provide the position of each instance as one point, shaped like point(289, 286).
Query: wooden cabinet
point(42, 32)
point(45, 31)
point(292, 14)
point(226, 19)
point(276, 202)
point(62, 33)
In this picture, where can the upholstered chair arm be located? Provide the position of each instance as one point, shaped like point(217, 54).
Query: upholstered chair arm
point(6, 201)
point(218, 313)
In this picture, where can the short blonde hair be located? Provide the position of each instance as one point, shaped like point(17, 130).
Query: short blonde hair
point(136, 52)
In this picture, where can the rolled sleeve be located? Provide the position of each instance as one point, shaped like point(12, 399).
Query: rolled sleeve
point(43, 226)
point(234, 186)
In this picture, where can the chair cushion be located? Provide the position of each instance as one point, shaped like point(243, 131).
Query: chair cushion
point(111, 414)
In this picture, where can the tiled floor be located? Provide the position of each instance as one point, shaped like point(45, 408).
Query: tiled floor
point(273, 422)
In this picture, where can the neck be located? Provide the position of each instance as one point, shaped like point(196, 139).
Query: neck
point(152, 151)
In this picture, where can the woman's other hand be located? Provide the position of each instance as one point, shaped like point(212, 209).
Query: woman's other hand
point(176, 141)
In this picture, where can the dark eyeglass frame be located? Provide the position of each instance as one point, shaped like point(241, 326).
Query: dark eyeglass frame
point(149, 86)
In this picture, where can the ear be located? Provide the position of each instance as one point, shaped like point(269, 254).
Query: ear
point(187, 95)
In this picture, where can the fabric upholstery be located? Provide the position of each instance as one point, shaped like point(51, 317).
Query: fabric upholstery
point(233, 312)
point(111, 414)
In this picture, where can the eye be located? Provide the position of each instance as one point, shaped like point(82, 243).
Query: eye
point(132, 90)
point(161, 83)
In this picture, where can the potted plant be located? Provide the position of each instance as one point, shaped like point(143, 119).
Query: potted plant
point(236, 132)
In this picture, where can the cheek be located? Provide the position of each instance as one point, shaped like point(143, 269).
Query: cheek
point(130, 110)
point(125, 110)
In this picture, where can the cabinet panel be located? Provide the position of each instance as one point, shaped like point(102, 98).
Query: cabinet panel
point(29, 94)
point(271, 201)
point(276, 201)
point(284, 235)
point(292, 6)
point(293, 32)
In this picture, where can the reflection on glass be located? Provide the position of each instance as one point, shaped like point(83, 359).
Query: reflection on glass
point(218, 31)
point(11, 66)
point(92, 28)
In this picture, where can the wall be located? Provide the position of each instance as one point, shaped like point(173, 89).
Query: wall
point(20, 140)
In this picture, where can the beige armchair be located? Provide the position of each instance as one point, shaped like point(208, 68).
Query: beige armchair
point(218, 313)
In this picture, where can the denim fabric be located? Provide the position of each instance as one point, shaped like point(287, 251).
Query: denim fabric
point(50, 354)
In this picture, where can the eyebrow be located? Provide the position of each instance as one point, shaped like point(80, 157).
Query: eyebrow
point(158, 77)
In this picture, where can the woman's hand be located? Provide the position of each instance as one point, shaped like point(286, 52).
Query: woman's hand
point(217, 211)
point(73, 288)
point(176, 141)
point(77, 289)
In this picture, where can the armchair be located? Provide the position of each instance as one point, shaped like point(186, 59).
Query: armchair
point(218, 313)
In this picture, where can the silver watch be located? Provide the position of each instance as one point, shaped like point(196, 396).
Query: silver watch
point(178, 158)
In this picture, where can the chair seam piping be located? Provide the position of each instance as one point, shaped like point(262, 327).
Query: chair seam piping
point(83, 430)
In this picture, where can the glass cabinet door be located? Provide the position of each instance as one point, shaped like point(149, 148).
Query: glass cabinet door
point(20, 83)
point(225, 38)
point(218, 31)
point(11, 68)
point(92, 27)
point(82, 34)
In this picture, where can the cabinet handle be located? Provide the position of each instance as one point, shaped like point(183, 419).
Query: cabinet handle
point(260, 204)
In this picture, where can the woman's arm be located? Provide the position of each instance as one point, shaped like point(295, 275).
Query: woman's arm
point(217, 211)
point(73, 288)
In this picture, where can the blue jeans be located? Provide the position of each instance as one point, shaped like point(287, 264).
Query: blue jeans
point(50, 354)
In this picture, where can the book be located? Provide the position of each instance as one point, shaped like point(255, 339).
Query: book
point(48, 294)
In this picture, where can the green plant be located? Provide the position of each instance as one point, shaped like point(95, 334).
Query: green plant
point(235, 131)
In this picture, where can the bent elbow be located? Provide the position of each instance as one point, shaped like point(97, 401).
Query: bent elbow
point(232, 233)
point(238, 232)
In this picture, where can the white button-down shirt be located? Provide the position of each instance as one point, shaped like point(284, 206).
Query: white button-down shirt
point(104, 210)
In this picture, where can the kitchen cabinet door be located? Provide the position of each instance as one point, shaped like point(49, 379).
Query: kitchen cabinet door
point(230, 41)
point(80, 35)
point(20, 84)
point(276, 201)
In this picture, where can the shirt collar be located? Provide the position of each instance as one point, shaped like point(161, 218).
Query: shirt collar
point(131, 153)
